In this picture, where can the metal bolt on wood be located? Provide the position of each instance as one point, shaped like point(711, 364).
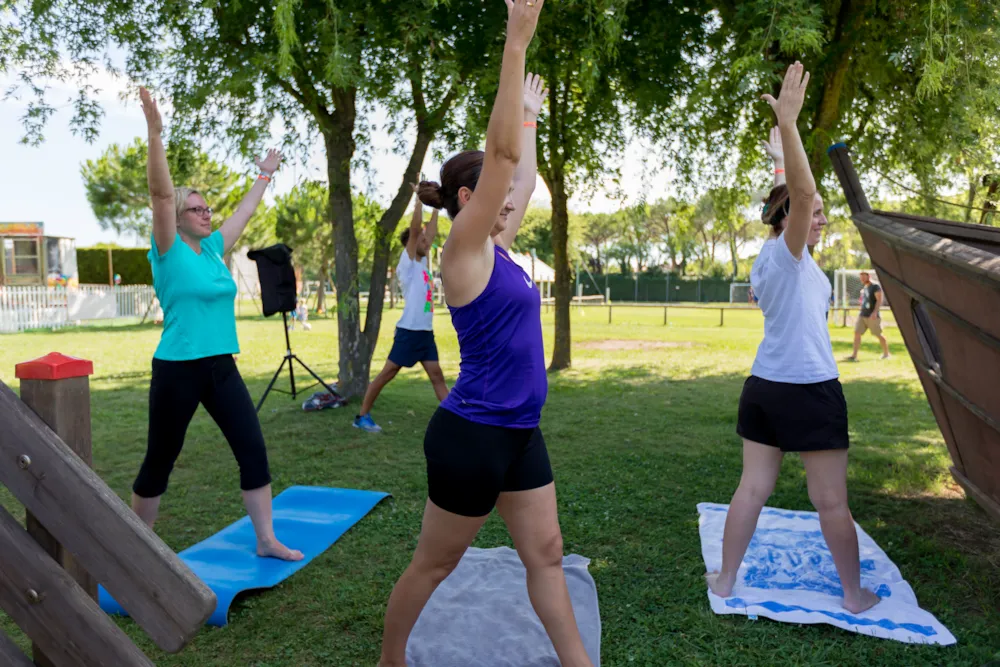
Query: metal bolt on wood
point(23, 461)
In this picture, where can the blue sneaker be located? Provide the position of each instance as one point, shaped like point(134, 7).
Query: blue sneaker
point(366, 423)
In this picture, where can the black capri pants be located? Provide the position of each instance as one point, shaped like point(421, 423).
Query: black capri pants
point(174, 394)
point(470, 464)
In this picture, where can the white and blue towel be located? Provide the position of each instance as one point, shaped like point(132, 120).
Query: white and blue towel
point(788, 575)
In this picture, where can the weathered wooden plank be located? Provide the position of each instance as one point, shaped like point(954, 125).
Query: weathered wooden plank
point(11, 655)
point(977, 236)
point(984, 501)
point(65, 406)
point(953, 254)
point(947, 276)
point(53, 610)
point(844, 168)
point(142, 573)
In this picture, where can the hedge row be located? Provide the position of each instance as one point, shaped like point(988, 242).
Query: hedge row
point(131, 264)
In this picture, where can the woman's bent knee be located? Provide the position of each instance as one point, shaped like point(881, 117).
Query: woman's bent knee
point(545, 552)
point(755, 491)
point(436, 567)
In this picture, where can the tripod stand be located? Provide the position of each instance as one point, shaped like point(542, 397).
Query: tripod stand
point(289, 358)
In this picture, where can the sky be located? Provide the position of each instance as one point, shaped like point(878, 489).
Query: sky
point(43, 184)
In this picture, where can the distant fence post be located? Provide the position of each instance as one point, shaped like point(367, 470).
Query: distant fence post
point(57, 388)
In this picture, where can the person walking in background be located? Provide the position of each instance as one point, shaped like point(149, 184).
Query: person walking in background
point(869, 318)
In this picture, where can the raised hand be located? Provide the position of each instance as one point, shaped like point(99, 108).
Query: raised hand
point(270, 163)
point(153, 121)
point(792, 95)
point(535, 93)
point(773, 148)
point(522, 18)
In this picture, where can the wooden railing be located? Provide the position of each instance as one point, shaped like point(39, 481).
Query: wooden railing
point(79, 533)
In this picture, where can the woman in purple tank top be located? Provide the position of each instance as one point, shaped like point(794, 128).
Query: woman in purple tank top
point(483, 445)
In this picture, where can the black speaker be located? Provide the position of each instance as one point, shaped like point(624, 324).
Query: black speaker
point(277, 278)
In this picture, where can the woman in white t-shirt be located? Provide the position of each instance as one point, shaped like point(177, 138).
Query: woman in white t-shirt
point(793, 401)
point(414, 339)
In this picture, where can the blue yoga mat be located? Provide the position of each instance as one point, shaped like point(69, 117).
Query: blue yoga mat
point(307, 518)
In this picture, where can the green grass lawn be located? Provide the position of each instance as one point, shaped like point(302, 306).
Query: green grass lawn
point(638, 431)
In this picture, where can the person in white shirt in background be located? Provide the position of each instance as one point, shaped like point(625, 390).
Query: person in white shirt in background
point(414, 341)
point(793, 401)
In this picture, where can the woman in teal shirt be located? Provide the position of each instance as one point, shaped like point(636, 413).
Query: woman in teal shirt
point(194, 361)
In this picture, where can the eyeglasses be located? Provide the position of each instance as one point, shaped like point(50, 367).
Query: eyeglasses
point(200, 210)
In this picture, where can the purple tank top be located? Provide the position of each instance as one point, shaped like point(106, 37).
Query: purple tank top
point(501, 379)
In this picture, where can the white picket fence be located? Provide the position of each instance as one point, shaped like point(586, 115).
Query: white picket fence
point(23, 308)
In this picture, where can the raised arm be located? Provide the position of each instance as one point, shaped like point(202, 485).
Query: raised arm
point(472, 226)
point(431, 231)
point(526, 174)
point(801, 184)
point(416, 225)
point(161, 189)
point(776, 153)
point(233, 227)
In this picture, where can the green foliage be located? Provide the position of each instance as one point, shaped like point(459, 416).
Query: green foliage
point(118, 193)
point(912, 87)
point(367, 213)
point(132, 264)
point(301, 222)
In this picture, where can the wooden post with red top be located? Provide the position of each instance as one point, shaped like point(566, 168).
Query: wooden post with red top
point(57, 388)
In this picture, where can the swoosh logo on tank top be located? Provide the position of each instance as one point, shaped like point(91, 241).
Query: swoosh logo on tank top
point(527, 281)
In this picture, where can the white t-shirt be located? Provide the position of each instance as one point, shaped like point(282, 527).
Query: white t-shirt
point(418, 311)
point(794, 296)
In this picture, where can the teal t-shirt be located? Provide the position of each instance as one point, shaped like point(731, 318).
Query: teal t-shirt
point(196, 292)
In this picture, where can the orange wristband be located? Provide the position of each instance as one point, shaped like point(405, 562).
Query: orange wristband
point(529, 123)
point(779, 171)
point(264, 177)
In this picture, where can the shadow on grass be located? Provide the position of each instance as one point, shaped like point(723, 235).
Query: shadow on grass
point(633, 450)
point(629, 416)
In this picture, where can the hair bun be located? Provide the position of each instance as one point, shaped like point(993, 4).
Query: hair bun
point(430, 194)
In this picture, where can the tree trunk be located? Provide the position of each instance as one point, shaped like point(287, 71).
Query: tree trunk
point(971, 200)
point(355, 352)
point(732, 252)
point(986, 218)
point(386, 228)
point(392, 288)
point(321, 295)
point(561, 356)
point(846, 33)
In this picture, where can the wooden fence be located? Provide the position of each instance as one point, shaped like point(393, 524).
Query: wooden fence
point(79, 533)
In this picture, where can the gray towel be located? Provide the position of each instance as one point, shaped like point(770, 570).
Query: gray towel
point(480, 616)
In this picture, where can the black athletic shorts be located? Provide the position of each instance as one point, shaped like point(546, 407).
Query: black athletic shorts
point(410, 347)
point(794, 417)
point(470, 464)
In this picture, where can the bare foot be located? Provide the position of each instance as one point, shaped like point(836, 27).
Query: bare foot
point(719, 586)
point(278, 550)
point(867, 601)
